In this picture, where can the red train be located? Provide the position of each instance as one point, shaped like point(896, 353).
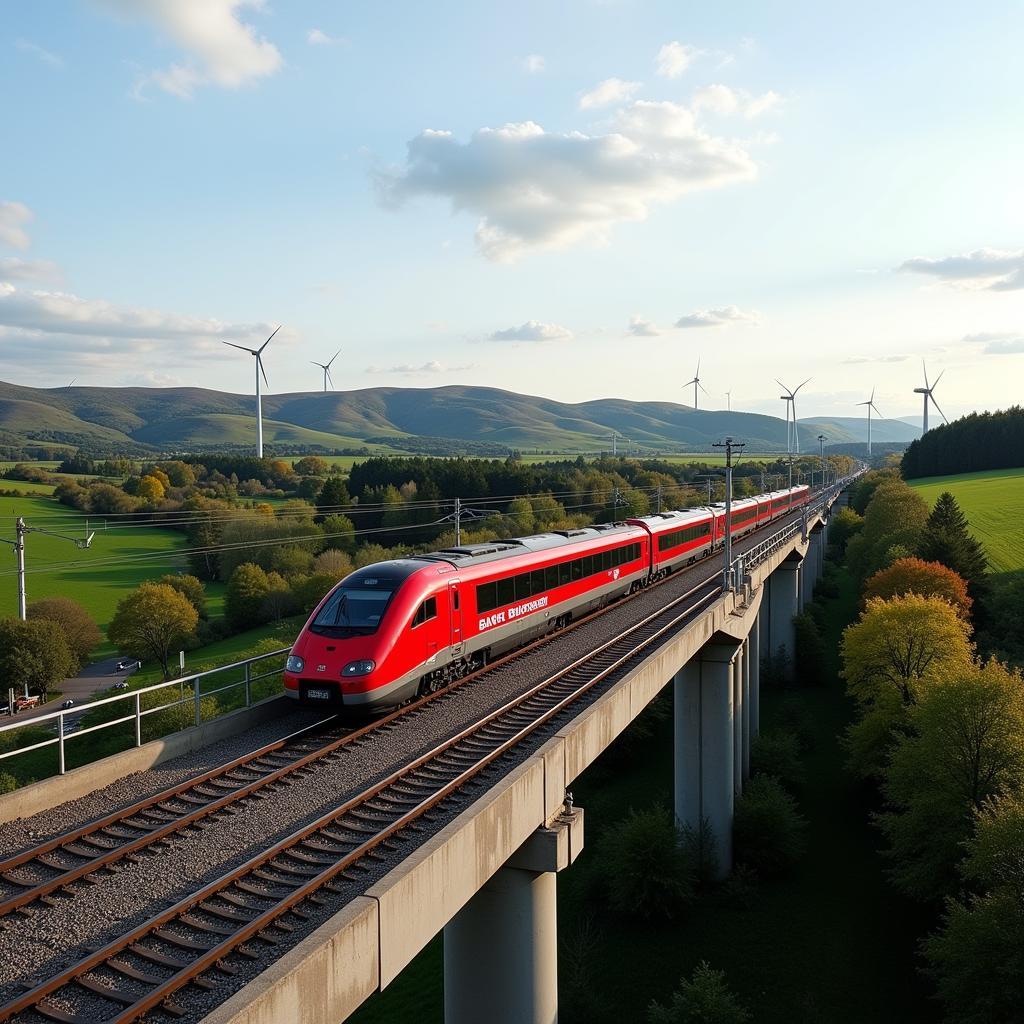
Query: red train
point(394, 629)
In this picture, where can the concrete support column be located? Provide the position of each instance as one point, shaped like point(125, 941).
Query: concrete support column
point(784, 586)
point(810, 571)
point(737, 721)
point(705, 741)
point(754, 663)
point(501, 949)
point(747, 736)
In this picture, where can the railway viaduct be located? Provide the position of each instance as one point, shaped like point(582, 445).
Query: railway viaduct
point(488, 879)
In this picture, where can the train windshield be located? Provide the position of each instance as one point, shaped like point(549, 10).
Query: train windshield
point(353, 611)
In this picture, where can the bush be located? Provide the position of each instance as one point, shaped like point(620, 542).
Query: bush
point(776, 754)
point(768, 830)
point(809, 667)
point(702, 999)
point(8, 783)
point(649, 874)
point(793, 717)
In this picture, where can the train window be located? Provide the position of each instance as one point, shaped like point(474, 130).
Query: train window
point(551, 577)
point(506, 592)
point(486, 597)
point(537, 581)
point(564, 573)
point(522, 582)
point(455, 600)
point(588, 566)
point(606, 560)
point(577, 569)
point(425, 612)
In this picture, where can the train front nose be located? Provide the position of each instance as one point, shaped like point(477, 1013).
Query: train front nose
point(323, 673)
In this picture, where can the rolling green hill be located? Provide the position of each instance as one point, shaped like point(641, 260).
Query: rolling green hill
point(993, 502)
point(139, 420)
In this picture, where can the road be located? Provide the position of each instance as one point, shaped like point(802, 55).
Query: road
point(97, 676)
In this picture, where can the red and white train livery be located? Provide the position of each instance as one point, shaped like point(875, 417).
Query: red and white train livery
point(394, 629)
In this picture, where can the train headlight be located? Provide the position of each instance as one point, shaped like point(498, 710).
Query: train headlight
point(359, 668)
point(294, 663)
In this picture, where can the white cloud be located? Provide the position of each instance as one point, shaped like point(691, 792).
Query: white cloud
point(533, 330)
point(718, 317)
point(611, 90)
point(223, 50)
point(14, 268)
point(317, 37)
point(996, 270)
point(997, 344)
point(45, 56)
point(674, 58)
point(857, 360)
point(544, 190)
point(433, 366)
point(533, 64)
point(641, 328)
point(12, 218)
point(721, 99)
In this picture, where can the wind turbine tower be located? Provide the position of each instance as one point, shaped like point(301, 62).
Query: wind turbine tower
point(927, 392)
point(326, 367)
point(792, 434)
point(870, 403)
point(696, 384)
point(258, 353)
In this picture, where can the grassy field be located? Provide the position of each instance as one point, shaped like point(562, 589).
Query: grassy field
point(993, 501)
point(118, 561)
point(26, 487)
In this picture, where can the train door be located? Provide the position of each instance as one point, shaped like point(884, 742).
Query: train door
point(455, 603)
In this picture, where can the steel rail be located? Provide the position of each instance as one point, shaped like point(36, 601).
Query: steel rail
point(649, 629)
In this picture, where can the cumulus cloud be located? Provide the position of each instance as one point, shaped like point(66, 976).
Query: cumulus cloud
point(997, 344)
point(997, 270)
point(317, 37)
point(222, 49)
point(718, 317)
point(45, 56)
point(721, 99)
point(13, 217)
point(674, 58)
point(533, 330)
point(533, 64)
point(14, 268)
point(432, 366)
point(611, 90)
point(641, 328)
point(535, 189)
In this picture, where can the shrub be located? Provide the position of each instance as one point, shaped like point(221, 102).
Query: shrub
point(768, 830)
point(704, 997)
point(809, 667)
point(649, 874)
point(777, 755)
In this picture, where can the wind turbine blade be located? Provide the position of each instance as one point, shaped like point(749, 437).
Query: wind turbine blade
point(781, 385)
point(251, 351)
point(877, 413)
point(704, 389)
point(936, 384)
point(936, 404)
point(267, 342)
point(259, 363)
point(797, 388)
point(924, 370)
point(697, 374)
point(335, 356)
point(315, 363)
point(330, 379)
point(872, 398)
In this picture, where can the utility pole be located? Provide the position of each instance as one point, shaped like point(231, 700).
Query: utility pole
point(659, 498)
point(458, 522)
point(730, 446)
point(821, 456)
point(20, 532)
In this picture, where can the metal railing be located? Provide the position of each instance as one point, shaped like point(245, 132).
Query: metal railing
point(249, 672)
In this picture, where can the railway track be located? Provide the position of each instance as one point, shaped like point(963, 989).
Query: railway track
point(192, 942)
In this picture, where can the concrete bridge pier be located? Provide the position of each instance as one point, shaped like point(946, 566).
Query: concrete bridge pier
point(784, 605)
point(738, 703)
point(705, 745)
point(746, 709)
point(501, 949)
point(754, 665)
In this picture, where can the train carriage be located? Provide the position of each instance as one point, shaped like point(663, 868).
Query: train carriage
point(678, 538)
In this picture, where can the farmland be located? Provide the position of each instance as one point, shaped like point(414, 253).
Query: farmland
point(993, 502)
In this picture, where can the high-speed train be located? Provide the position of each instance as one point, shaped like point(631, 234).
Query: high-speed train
point(394, 629)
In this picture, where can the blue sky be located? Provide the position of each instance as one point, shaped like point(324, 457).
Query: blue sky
point(806, 189)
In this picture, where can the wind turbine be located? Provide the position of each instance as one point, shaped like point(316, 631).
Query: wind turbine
point(870, 403)
point(696, 384)
point(927, 392)
point(728, 401)
point(326, 367)
point(258, 353)
point(792, 441)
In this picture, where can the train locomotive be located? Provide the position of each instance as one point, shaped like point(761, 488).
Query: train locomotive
point(395, 629)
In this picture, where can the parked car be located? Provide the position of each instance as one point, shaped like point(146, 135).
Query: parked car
point(122, 685)
point(69, 703)
point(128, 664)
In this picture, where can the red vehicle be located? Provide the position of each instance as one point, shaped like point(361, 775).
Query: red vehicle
point(394, 629)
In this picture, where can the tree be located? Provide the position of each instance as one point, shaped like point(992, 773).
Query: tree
point(843, 524)
point(190, 587)
point(916, 576)
point(947, 539)
point(895, 518)
point(768, 830)
point(966, 747)
point(704, 998)
point(312, 465)
point(243, 599)
point(33, 654)
point(339, 532)
point(333, 495)
point(151, 489)
point(151, 621)
point(976, 958)
point(80, 632)
point(332, 562)
point(896, 649)
point(178, 473)
point(279, 601)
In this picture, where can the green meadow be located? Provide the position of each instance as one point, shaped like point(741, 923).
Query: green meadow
point(993, 501)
